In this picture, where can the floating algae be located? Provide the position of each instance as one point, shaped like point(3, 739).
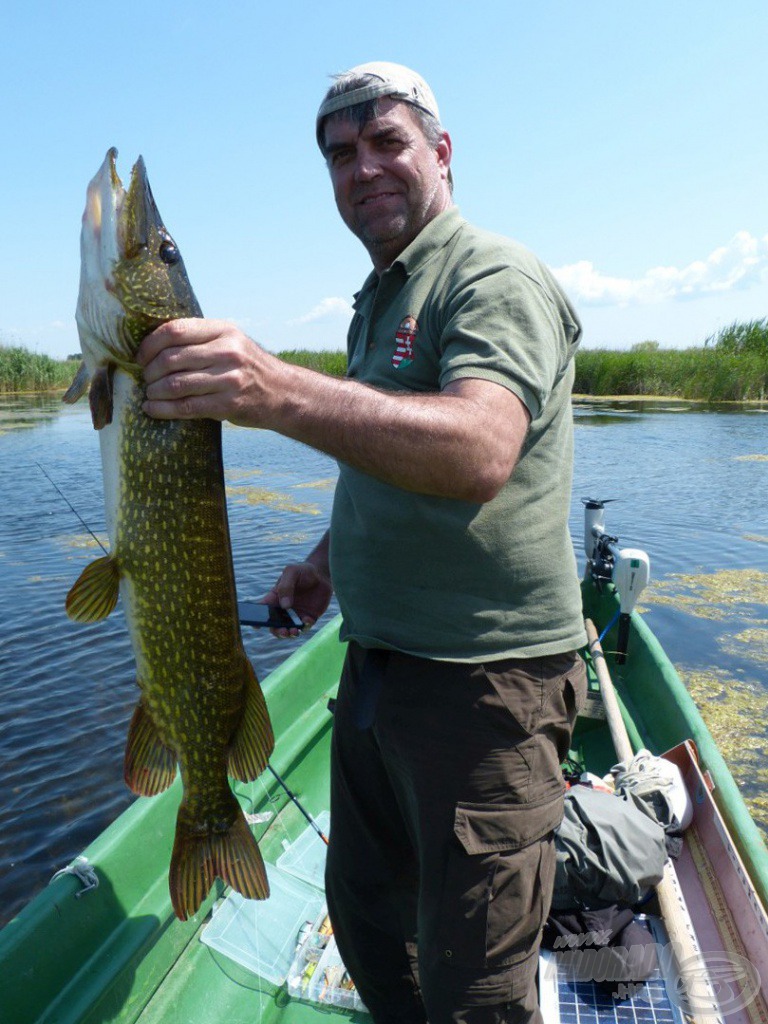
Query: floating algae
point(756, 641)
point(274, 499)
point(736, 713)
point(241, 474)
point(756, 538)
point(327, 484)
point(286, 538)
point(84, 541)
point(710, 595)
point(752, 458)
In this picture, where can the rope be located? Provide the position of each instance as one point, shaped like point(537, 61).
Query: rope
point(609, 627)
point(82, 870)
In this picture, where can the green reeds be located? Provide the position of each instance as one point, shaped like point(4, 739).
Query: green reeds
point(22, 371)
point(332, 363)
point(731, 367)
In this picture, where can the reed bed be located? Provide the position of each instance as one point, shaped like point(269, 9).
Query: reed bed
point(732, 366)
point(332, 363)
point(25, 371)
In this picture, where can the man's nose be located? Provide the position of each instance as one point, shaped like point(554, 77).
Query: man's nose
point(367, 166)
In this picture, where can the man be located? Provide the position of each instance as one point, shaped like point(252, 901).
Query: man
point(450, 556)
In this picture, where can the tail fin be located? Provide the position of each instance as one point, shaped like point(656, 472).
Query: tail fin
point(198, 859)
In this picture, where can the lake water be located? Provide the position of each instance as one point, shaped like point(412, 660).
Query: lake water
point(692, 485)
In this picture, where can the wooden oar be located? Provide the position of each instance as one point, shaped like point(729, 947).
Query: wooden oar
point(668, 893)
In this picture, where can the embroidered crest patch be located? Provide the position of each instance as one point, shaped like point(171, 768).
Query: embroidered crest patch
point(404, 342)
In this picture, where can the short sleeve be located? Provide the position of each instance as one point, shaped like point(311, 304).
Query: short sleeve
point(507, 325)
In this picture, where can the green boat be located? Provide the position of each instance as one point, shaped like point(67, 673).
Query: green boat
point(115, 952)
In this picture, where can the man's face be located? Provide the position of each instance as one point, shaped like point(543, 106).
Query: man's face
point(387, 180)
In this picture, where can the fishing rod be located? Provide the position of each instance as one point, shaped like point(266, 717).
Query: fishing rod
point(72, 507)
point(295, 799)
point(289, 793)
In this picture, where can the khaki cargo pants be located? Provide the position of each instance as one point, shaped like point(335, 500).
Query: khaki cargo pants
point(445, 791)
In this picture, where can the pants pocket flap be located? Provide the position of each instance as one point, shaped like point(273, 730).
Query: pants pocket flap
point(486, 828)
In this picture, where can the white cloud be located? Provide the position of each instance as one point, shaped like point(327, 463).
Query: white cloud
point(328, 309)
point(743, 261)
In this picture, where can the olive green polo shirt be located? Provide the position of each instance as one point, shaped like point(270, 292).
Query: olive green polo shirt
point(442, 578)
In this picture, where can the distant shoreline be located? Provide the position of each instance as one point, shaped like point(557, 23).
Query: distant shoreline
point(585, 399)
point(732, 367)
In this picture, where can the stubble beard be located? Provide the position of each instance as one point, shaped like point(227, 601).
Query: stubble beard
point(385, 244)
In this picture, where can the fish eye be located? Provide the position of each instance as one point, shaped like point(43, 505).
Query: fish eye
point(169, 253)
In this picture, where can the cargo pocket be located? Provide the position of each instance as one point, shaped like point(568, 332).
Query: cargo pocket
point(499, 876)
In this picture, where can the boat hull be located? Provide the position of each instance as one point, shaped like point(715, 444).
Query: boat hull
point(119, 954)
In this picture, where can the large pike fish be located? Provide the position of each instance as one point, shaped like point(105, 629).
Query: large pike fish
point(170, 558)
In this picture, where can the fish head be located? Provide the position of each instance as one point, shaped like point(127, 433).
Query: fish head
point(132, 276)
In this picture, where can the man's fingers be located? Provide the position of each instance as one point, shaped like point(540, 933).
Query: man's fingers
point(178, 333)
point(191, 408)
point(183, 384)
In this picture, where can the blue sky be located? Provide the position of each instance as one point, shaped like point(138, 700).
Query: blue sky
point(625, 144)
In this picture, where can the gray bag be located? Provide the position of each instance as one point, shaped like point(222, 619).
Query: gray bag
point(608, 851)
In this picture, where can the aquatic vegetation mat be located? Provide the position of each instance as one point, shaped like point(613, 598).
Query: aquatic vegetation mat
point(241, 474)
point(736, 713)
point(326, 484)
point(750, 643)
point(710, 595)
point(274, 499)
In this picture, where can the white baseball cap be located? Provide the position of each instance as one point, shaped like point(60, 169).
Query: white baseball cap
point(394, 80)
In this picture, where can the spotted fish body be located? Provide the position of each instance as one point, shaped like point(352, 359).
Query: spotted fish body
point(170, 559)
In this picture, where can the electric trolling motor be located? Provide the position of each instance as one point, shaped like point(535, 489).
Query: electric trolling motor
point(629, 569)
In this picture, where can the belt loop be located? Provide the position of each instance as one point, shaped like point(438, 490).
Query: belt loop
point(370, 682)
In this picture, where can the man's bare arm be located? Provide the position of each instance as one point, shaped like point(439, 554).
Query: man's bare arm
point(461, 443)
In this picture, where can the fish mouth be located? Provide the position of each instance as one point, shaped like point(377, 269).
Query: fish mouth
point(104, 242)
point(117, 221)
point(104, 205)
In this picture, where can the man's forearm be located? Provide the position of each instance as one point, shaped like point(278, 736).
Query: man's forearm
point(319, 556)
point(462, 442)
point(451, 444)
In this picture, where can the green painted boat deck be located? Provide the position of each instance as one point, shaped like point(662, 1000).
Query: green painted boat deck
point(118, 955)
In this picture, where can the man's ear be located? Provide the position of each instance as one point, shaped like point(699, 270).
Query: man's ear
point(444, 153)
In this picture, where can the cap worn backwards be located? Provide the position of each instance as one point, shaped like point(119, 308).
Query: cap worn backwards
point(394, 80)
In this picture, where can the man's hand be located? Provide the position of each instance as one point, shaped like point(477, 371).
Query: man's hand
point(303, 587)
point(208, 368)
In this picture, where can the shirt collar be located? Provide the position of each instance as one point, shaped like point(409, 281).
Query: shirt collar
point(433, 237)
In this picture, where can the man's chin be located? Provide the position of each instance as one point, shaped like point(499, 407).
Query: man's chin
point(383, 235)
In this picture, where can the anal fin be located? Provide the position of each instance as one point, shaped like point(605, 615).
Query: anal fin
point(253, 741)
point(150, 766)
point(95, 592)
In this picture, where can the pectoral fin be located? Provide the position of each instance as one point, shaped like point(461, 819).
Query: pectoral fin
point(95, 593)
point(79, 385)
point(150, 766)
point(254, 740)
